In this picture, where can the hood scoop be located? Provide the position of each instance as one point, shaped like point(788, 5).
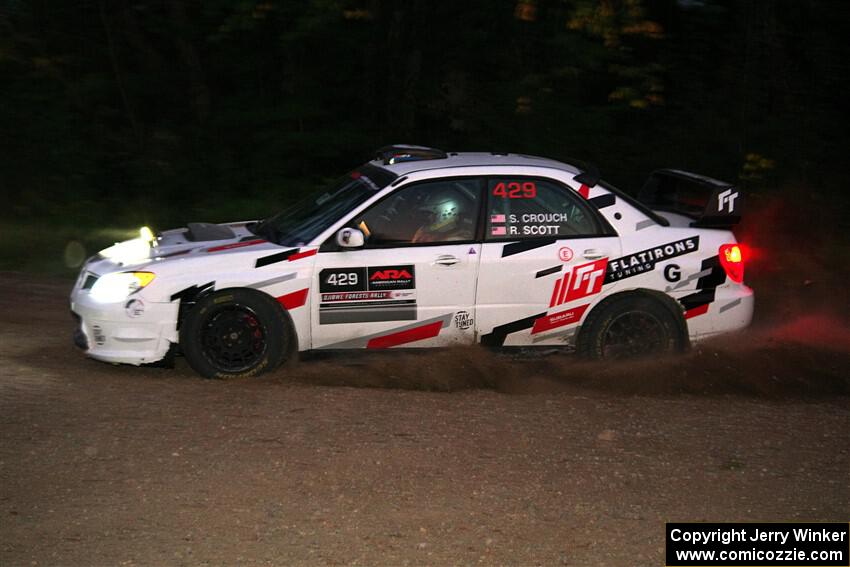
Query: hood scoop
point(204, 231)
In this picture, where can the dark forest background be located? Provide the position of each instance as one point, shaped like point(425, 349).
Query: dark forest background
point(131, 111)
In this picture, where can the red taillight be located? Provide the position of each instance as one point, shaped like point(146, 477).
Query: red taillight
point(732, 260)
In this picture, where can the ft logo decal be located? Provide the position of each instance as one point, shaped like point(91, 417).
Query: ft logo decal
point(726, 198)
point(584, 280)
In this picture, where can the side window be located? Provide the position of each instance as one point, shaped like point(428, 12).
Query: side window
point(524, 207)
point(431, 212)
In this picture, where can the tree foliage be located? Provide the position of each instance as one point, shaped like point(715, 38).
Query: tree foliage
point(193, 107)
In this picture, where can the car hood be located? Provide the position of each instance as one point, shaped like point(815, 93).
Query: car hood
point(200, 235)
point(177, 243)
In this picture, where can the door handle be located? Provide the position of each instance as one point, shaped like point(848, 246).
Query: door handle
point(446, 260)
point(593, 254)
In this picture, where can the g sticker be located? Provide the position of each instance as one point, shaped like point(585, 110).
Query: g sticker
point(672, 273)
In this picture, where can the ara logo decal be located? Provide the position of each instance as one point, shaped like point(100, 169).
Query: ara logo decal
point(584, 280)
point(392, 277)
point(727, 198)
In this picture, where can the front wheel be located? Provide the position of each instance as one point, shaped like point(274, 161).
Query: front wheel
point(235, 333)
point(630, 327)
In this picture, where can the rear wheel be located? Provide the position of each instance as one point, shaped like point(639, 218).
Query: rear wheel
point(630, 327)
point(235, 333)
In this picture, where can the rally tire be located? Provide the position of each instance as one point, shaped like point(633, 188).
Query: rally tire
point(631, 326)
point(236, 333)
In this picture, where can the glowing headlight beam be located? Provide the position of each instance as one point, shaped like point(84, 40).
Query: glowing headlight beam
point(146, 234)
point(134, 250)
point(112, 288)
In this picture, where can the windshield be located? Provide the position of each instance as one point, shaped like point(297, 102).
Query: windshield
point(302, 222)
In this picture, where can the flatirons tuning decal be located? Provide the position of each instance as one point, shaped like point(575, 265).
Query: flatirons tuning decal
point(367, 294)
point(644, 261)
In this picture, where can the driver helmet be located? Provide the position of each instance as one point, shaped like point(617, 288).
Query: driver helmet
point(445, 209)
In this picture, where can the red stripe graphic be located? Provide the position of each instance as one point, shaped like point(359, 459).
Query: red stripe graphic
point(410, 335)
point(564, 288)
point(584, 191)
point(294, 299)
point(698, 310)
point(560, 319)
point(305, 254)
point(554, 300)
point(236, 245)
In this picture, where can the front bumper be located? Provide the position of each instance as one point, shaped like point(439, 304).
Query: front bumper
point(133, 331)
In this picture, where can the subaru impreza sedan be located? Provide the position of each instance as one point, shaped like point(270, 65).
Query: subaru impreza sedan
point(423, 248)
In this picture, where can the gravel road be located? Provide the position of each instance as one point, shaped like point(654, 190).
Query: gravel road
point(448, 458)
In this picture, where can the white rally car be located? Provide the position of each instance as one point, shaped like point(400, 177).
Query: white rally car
point(421, 248)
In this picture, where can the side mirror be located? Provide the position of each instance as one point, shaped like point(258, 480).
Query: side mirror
point(350, 238)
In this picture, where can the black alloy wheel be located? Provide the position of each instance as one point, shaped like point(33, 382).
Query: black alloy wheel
point(633, 334)
point(631, 326)
point(233, 338)
point(236, 333)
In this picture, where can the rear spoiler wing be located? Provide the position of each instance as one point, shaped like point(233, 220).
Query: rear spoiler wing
point(709, 202)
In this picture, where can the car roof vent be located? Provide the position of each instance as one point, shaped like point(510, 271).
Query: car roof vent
point(398, 153)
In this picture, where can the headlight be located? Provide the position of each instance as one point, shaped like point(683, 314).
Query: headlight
point(117, 287)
